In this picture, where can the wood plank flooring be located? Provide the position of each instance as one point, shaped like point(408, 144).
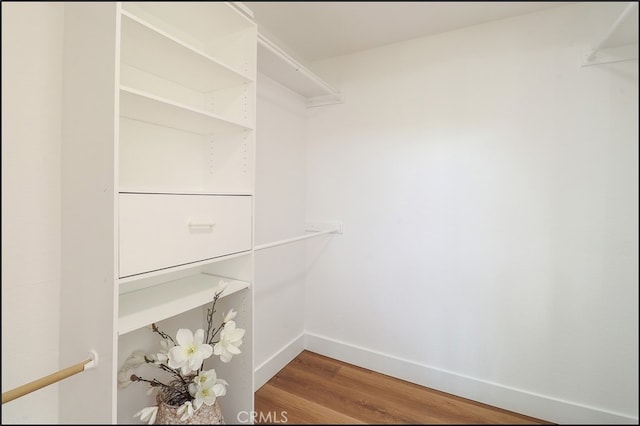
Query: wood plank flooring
point(314, 389)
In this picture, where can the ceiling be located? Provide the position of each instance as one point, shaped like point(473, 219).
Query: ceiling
point(318, 30)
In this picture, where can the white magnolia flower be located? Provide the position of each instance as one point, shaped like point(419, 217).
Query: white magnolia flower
point(186, 410)
point(124, 377)
point(230, 339)
point(190, 352)
point(205, 379)
point(208, 395)
point(135, 360)
point(163, 356)
point(222, 285)
point(206, 387)
point(231, 315)
point(220, 388)
point(148, 414)
point(204, 395)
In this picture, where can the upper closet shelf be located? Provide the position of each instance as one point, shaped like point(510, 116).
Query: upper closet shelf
point(192, 21)
point(619, 43)
point(281, 67)
point(151, 49)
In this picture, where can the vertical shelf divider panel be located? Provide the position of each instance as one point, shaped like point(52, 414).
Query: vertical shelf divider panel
point(88, 300)
point(158, 114)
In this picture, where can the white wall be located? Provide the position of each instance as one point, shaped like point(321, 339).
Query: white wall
point(280, 214)
point(31, 137)
point(488, 187)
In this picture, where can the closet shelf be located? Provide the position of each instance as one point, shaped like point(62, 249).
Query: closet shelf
point(142, 106)
point(192, 20)
point(148, 48)
point(620, 42)
point(281, 67)
point(131, 190)
point(143, 307)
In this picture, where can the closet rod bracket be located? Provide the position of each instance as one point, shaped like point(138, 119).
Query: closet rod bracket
point(337, 227)
point(93, 360)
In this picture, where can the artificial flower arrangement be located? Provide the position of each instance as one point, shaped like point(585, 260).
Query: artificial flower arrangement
point(189, 386)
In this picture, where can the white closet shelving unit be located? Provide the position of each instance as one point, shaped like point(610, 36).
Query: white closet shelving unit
point(158, 185)
point(276, 64)
point(619, 43)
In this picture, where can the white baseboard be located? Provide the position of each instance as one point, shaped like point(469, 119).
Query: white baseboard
point(276, 362)
point(520, 401)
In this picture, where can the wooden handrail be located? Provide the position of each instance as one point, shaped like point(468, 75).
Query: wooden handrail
point(50, 379)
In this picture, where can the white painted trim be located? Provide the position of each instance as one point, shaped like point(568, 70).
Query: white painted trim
point(277, 361)
point(508, 398)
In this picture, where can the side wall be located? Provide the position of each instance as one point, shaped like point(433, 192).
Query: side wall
point(488, 186)
point(31, 141)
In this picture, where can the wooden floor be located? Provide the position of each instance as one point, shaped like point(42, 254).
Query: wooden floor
point(313, 389)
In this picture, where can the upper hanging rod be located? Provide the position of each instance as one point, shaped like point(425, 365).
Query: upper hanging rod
point(51, 378)
point(291, 240)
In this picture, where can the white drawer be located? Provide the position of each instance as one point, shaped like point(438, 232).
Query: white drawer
point(162, 230)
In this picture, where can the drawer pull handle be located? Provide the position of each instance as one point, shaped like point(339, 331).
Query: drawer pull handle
point(201, 224)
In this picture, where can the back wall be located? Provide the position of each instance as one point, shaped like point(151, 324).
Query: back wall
point(488, 186)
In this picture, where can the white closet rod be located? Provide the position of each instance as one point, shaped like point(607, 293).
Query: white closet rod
point(291, 240)
point(613, 28)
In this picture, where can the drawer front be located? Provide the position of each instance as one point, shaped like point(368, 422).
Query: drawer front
point(158, 231)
